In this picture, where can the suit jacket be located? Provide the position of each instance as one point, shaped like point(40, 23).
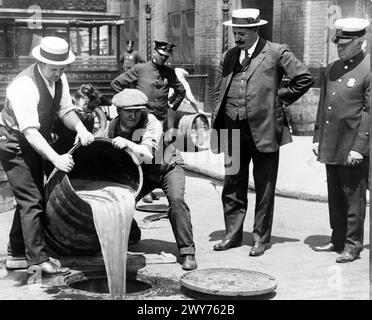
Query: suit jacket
point(264, 100)
point(343, 118)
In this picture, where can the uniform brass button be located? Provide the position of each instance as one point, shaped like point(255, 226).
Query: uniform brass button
point(339, 80)
point(329, 108)
point(333, 93)
point(351, 60)
point(346, 67)
point(327, 122)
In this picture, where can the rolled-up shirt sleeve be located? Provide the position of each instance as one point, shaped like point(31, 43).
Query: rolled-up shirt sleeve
point(66, 100)
point(24, 97)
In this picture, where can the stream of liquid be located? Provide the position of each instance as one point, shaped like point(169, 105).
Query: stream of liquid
point(113, 208)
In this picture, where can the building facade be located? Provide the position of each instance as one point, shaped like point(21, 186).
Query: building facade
point(195, 26)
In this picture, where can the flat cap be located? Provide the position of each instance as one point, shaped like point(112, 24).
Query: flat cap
point(348, 29)
point(130, 99)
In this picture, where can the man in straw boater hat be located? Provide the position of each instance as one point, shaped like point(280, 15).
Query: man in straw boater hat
point(247, 98)
point(33, 99)
point(341, 138)
point(141, 133)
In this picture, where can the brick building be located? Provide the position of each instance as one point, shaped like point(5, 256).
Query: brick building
point(195, 26)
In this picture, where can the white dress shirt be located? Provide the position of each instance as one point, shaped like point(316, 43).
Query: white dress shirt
point(23, 96)
point(250, 51)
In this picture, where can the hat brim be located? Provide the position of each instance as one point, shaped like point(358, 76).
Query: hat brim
point(133, 108)
point(164, 53)
point(337, 40)
point(251, 25)
point(36, 54)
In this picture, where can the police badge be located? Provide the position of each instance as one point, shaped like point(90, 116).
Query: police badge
point(351, 82)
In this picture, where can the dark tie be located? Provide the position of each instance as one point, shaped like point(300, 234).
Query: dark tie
point(246, 61)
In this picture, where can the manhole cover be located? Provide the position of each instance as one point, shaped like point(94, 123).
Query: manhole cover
point(160, 207)
point(229, 282)
point(100, 285)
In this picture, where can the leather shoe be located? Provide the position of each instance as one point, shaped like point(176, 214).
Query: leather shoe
point(258, 249)
point(328, 247)
point(48, 268)
point(226, 244)
point(348, 255)
point(189, 262)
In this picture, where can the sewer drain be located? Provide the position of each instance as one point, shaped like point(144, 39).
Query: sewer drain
point(100, 285)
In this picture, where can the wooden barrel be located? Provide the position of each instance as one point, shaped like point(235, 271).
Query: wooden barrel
point(192, 131)
point(69, 224)
point(6, 195)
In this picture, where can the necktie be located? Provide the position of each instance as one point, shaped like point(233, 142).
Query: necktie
point(246, 61)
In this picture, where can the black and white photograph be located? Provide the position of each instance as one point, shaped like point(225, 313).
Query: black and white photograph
point(185, 157)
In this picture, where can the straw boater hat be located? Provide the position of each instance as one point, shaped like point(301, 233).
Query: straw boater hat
point(53, 50)
point(245, 18)
point(348, 29)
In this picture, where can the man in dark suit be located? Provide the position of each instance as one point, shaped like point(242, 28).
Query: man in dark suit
point(247, 98)
point(341, 138)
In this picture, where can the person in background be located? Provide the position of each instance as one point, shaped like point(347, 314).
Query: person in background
point(86, 99)
point(248, 100)
point(341, 138)
point(33, 98)
point(142, 133)
point(130, 57)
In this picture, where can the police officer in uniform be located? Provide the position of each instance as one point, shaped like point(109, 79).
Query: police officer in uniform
point(33, 99)
point(130, 57)
point(154, 79)
point(341, 138)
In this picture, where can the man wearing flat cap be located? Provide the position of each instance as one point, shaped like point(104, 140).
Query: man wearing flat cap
point(247, 100)
point(142, 133)
point(33, 99)
point(154, 78)
point(341, 138)
point(130, 57)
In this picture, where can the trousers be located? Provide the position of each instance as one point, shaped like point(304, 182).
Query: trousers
point(24, 169)
point(347, 187)
point(172, 182)
point(235, 188)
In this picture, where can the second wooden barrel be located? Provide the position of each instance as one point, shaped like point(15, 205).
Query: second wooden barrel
point(69, 224)
point(193, 131)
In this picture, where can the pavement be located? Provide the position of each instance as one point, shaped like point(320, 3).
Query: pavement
point(298, 226)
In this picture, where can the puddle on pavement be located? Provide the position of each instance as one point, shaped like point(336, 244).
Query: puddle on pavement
point(91, 284)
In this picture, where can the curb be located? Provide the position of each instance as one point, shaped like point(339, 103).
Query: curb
point(279, 192)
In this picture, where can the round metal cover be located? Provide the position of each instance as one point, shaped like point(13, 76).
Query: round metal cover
point(229, 282)
point(159, 207)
